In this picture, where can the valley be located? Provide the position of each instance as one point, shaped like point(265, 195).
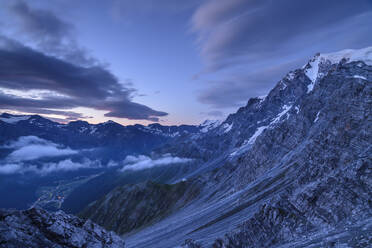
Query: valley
point(52, 197)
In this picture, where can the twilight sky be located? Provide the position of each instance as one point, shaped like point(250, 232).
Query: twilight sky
point(171, 61)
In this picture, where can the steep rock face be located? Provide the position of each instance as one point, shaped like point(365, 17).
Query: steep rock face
point(238, 132)
point(131, 207)
point(296, 170)
point(35, 228)
point(326, 149)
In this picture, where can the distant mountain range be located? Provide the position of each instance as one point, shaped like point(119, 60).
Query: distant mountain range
point(117, 140)
point(291, 169)
point(42, 162)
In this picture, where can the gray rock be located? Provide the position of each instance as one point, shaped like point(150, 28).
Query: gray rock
point(38, 228)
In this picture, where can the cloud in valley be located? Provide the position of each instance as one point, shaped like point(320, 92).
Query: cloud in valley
point(68, 165)
point(10, 168)
point(36, 155)
point(47, 168)
point(31, 147)
point(142, 162)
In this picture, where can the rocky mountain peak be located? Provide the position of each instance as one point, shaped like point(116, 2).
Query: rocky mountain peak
point(319, 65)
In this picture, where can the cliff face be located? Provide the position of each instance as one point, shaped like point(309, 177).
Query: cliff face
point(321, 157)
point(35, 228)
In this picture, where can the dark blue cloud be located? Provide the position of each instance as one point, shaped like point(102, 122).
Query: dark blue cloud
point(67, 85)
point(48, 32)
point(41, 22)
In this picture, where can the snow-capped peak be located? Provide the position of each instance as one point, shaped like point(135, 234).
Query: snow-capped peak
point(313, 67)
point(350, 55)
point(209, 125)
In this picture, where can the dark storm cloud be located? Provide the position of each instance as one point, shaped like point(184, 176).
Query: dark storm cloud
point(67, 85)
point(259, 33)
point(50, 33)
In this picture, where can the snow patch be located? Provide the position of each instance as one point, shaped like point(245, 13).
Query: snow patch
point(297, 109)
point(262, 98)
point(93, 129)
point(208, 125)
point(351, 55)
point(290, 76)
point(282, 85)
point(227, 127)
point(14, 119)
point(83, 129)
point(360, 77)
point(317, 117)
point(256, 134)
point(241, 149)
point(286, 108)
point(175, 134)
point(259, 130)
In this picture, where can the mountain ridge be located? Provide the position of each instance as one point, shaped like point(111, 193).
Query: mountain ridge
point(270, 163)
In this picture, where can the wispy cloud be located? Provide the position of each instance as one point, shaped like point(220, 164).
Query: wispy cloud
point(247, 46)
point(10, 168)
point(48, 32)
point(142, 162)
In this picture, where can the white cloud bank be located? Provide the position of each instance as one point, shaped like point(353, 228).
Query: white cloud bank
point(27, 149)
point(68, 165)
point(10, 168)
point(31, 147)
point(142, 162)
point(63, 166)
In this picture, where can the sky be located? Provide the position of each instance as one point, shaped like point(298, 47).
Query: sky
point(167, 61)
